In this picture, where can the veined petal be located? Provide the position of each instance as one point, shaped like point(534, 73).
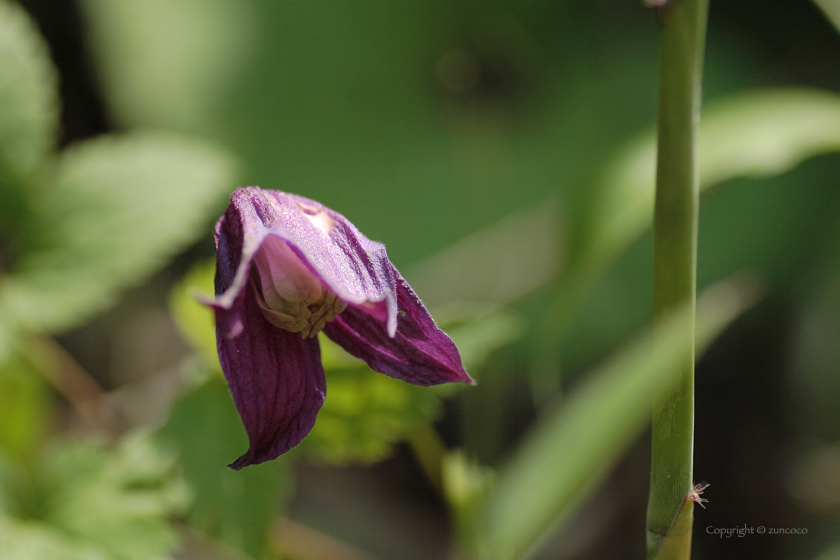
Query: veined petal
point(275, 376)
point(355, 268)
point(419, 352)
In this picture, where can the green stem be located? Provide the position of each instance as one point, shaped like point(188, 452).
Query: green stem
point(71, 380)
point(429, 450)
point(675, 255)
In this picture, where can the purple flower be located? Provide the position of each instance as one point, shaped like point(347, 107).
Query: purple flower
point(287, 268)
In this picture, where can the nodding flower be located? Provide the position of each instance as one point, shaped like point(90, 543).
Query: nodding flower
point(288, 268)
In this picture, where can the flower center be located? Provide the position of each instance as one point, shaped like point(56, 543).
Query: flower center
point(290, 295)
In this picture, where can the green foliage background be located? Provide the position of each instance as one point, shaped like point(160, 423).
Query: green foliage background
point(504, 153)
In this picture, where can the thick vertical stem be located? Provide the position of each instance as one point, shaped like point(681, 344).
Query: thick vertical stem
point(675, 254)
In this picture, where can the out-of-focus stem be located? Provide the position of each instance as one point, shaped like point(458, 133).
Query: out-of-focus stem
point(71, 380)
point(429, 450)
point(675, 255)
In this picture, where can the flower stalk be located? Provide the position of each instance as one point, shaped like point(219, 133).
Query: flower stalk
point(675, 256)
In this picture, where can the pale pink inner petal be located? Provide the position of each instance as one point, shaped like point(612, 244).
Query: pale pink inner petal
point(290, 295)
point(283, 276)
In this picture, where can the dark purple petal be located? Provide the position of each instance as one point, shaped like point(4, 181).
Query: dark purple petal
point(275, 376)
point(419, 353)
point(355, 268)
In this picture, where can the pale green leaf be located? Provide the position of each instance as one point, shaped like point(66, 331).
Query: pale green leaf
point(831, 9)
point(167, 63)
point(465, 483)
point(28, 94)
point(25, 402)
point(193, 319)
point(85, 501)
point(571, 449)
point(120, 207)
point(7, 338)
point(497, 264)
point(24, 540)
point(480, 332)
point(365, 414)
point(759, 133)
point(831, 553)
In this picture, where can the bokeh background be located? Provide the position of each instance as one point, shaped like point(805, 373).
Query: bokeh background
point(480, 141)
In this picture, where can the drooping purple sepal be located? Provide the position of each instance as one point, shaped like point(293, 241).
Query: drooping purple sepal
point(419, 353)
point(276, 379)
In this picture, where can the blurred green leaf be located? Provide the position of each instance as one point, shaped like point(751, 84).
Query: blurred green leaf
point(28, 95)
point(120, 207)
point(754, 134)
point(365, 413)
point(29, 541)
point(576, 445)
point(194, 320)
point(831, 9)
point(831, 553)
point(168, 63)
point(334, 356)
point(464, 480)
point(497, 264)
point(84, 501)
point(760, 133)
point(480, 332)
point(465, 483)
point(237, 507)
point(24, 400)
point(361, 107)
point(6, 338)
point(816, 360)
